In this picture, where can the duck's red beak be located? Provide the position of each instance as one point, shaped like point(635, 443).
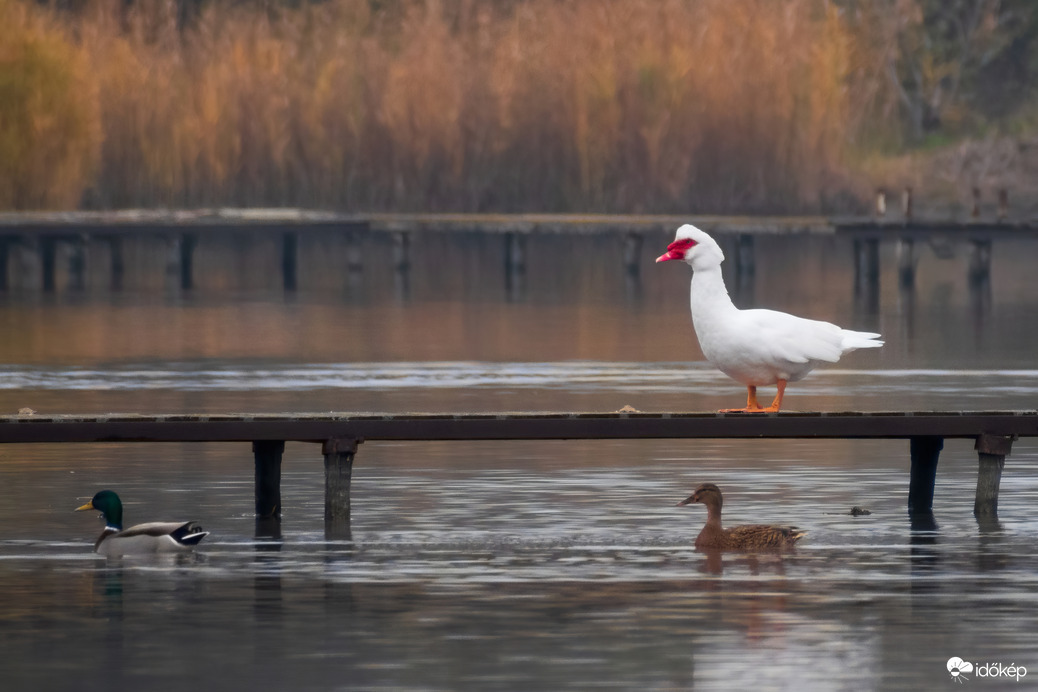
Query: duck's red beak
point(676, 250)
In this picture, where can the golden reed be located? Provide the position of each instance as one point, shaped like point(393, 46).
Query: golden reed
point(526, 105)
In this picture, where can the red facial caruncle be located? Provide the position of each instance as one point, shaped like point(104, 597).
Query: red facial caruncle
point(677, 250)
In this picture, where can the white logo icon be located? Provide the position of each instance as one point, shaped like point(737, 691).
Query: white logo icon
point(958, 668)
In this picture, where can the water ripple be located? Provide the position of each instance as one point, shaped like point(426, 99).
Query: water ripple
point(570, 375)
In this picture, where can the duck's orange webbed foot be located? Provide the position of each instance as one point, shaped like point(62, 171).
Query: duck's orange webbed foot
point(752, 406)
point(751, 403)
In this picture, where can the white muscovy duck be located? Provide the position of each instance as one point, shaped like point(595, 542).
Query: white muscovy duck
point(756, 347)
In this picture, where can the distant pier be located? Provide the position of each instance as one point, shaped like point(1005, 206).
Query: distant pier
point(67, 243)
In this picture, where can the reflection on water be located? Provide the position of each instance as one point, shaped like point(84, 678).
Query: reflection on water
point(557, 576)
point(526, 565)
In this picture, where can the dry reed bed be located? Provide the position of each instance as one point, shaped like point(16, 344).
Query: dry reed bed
point(532, 105)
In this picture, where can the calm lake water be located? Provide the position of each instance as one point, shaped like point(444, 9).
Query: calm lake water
point(512, 566)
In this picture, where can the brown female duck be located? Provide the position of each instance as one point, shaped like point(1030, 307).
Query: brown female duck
point(748, 537)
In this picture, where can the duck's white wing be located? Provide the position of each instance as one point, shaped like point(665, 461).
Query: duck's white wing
point(783, 338)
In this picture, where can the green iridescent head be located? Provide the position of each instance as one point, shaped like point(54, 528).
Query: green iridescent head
point(108, 504)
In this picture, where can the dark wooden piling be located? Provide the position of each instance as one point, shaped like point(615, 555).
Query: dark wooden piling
point(402, 265)
point(289, 260)
point(866, 266)
point(906, 203)
point(632, 254)
point(172, 258)
point(48, 262)
point(4, 256)
point(515, 253)
point(925, 452)
point(354, 255)
point(975, 211)
point(1003, 204)
point(906, 262)
point(515, 265)
point(745, 259)
point(980, 261)
point(118, 265)
point(992, 451)
point(180, 251)
point(267, 455)
point(187, 254)
point(338, 472)
point(354, 262)
point(401, 251)
point(77, 262)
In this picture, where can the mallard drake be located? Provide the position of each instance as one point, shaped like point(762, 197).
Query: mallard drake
point(747, 537)
point(153, 537)
point(754, 347)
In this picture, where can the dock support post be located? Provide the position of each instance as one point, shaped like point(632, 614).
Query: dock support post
point(992, 451)
point(3, 264)
point(632, 254)
point(268, 454)
point(515, 253)
point(906, 263)
point(77, 263)
point(925, 453)
point(745, 265)
point(48, 253)
point(354, 256)
point(980, 262)
point(179, 260)
point(289, 259)
point(187, 249)
point(515, 265)
point(401, 251)
point(866, 266)
point(338, 471)
point(115, 247)
point(402, 264)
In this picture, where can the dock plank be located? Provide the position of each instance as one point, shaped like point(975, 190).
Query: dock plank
point(318, 427)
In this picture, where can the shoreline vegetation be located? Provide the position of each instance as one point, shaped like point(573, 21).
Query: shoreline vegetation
point(613, 106)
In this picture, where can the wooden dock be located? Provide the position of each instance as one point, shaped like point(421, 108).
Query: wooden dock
point(993, 433)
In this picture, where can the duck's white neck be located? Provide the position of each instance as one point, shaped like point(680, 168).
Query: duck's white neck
point(708, 294)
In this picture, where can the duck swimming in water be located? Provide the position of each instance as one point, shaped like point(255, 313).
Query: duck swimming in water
point(141, 539)
point(746, 537)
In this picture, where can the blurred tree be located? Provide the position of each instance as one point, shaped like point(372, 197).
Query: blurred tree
point(938, 55)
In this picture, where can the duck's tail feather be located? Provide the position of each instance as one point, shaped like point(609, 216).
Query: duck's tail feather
point(189, 534)
point(852, 340)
